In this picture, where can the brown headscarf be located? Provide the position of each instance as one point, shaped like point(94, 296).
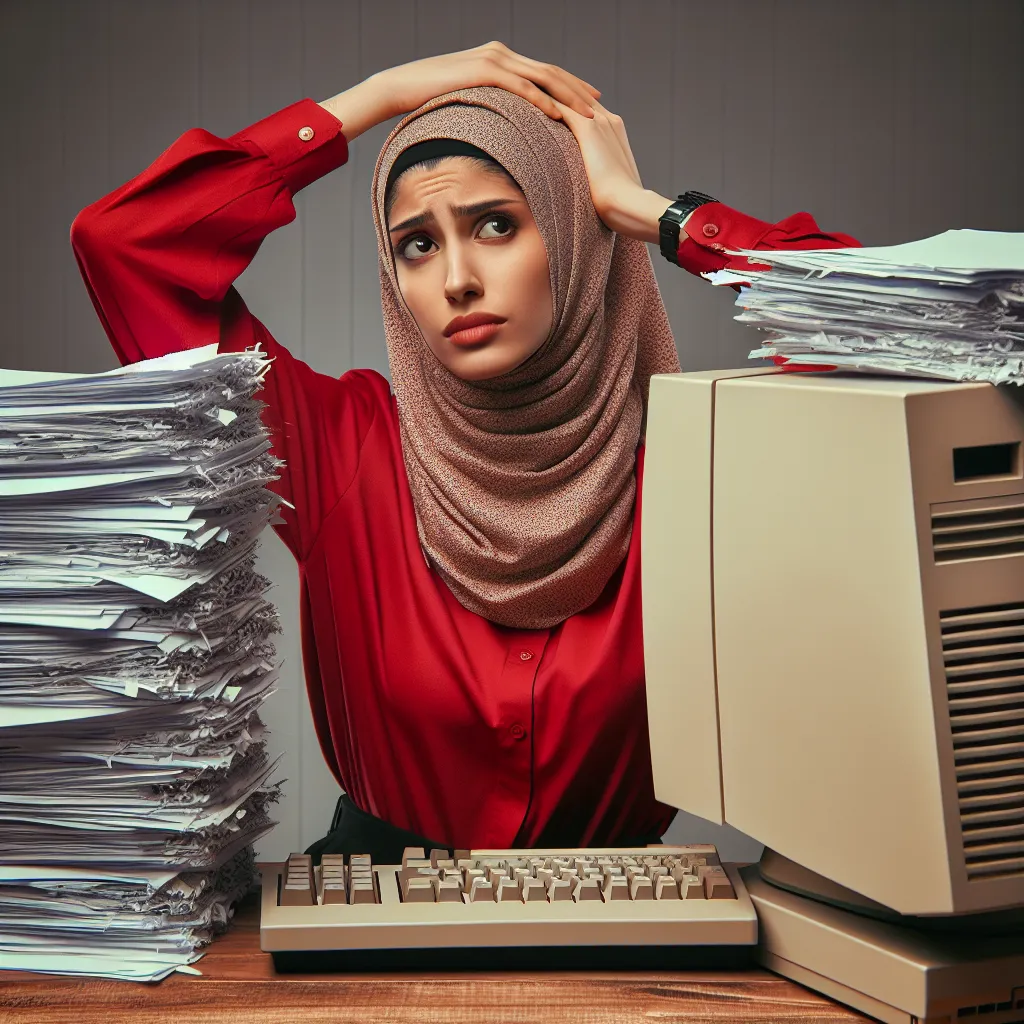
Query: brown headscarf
point(524, 484)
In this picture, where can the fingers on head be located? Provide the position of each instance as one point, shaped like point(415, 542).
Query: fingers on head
point(525, 88)
point(554, 79)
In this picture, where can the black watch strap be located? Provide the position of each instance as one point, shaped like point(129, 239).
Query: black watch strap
point(670, 221)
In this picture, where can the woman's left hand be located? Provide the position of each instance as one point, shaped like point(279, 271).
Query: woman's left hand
point(619, 196)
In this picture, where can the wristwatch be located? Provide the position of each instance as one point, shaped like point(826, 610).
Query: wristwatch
point(671, 220)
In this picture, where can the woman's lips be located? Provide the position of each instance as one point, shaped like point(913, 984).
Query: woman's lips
point(474, 335)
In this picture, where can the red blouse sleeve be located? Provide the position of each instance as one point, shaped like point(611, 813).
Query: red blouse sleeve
point(160, 254)
point(714, 227)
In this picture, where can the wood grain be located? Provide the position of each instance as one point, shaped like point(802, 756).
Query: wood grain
point(239, 985)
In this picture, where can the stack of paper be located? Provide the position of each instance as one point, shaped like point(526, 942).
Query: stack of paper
point(135, 652)
point(951, 306)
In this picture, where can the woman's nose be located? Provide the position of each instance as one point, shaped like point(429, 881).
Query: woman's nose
point(463, 280)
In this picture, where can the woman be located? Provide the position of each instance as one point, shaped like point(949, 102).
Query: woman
point(468, 556)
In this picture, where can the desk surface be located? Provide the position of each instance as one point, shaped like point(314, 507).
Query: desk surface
point(239, 985)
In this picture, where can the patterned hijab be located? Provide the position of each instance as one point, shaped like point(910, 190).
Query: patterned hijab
point(524, 484)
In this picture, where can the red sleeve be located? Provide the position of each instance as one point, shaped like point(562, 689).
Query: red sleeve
point(715, 227)
point(160, 254)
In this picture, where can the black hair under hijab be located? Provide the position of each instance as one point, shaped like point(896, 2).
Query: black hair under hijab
point(433, 149)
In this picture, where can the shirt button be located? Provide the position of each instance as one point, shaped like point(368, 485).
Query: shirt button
point(306, 133)
point(517, 731)
point(710, 230)
point(526, 655)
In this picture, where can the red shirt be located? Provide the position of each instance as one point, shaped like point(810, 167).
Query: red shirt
point(429, 716)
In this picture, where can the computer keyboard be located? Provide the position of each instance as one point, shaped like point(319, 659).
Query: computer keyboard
point(658, 906)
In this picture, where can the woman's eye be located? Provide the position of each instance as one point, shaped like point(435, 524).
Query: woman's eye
point(416, 248)
point(501, 226)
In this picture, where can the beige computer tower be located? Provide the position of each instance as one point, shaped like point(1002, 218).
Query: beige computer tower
point(834, 625)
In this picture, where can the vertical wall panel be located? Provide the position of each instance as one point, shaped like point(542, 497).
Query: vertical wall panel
point(700, 35)
point(539, 29)
point(745, 70)
point(993, 141)
point(438, 28)
point(85, 142)
point(153, 83)
point(331, 65)
point(35, 270)
point(862, 108)
point(889, 119)
point(803, 147)
point(746, 61)
point(12, 72)
point(482, 22)
point(272, 287)
point(386, 38)
point(589, 44)
point(223, 60)
point(942, 60)
point(330, 46)
point(645, 100)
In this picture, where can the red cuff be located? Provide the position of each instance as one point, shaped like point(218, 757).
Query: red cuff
point(714, 227)
point(303, 141)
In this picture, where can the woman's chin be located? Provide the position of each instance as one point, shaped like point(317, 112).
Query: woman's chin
point(484, 362)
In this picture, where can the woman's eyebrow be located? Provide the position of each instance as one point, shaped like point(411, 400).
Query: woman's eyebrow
point(472, 210)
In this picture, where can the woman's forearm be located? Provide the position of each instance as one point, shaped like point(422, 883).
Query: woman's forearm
point(407, 86)
point(637, 214)
point(361, 107)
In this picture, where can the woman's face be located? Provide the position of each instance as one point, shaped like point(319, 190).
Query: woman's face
point(468, 251)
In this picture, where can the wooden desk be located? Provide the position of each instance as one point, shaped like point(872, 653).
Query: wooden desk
point(239, 986)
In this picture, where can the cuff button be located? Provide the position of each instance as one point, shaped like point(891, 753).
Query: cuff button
point(306, 133)
point(710, 230)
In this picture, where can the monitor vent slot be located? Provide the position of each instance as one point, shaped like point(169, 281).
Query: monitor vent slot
point(962, 533)
point(983, 652)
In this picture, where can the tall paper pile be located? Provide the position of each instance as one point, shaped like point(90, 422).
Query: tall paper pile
point(951, 306)
point(135, 653)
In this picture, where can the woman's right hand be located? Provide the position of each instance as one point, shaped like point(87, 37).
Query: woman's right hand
point(407, 86)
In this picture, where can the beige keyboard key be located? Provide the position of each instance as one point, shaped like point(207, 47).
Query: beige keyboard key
point(533, 889)
point(717, 885)
point(666, 888)
point(482, 890)
point(507, 889)
point(587, 889)
point(447, 890)
point(494, 873)
point(334, 892)
point(616, 888)
point(559, 889)
point(297, 888)
point(418, 889)
point(361, 892)
point(691, 888)
point(641, 888)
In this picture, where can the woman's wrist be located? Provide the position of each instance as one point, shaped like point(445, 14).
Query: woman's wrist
point(636, 211)
point(361, 107)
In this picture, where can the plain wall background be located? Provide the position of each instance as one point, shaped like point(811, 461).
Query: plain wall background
point(887, 119)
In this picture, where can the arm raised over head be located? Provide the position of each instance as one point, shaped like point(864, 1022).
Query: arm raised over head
point(707, 233)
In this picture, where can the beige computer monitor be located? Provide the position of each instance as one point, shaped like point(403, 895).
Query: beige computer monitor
point(833, 590)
